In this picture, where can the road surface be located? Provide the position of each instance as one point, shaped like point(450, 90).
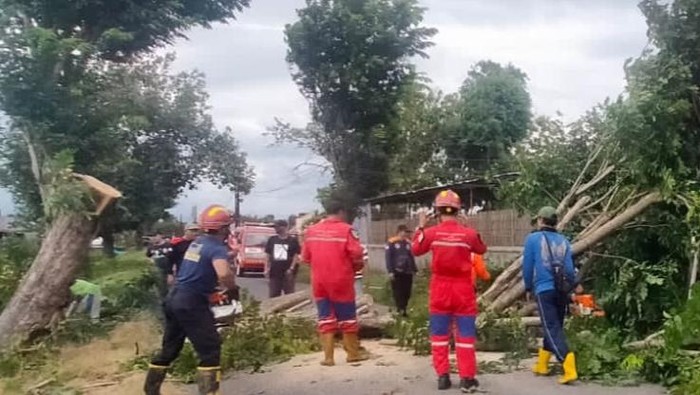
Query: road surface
point(394, 372)
point(389, 372)
point(256, 285)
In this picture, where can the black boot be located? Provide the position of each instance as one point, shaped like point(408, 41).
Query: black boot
point(208, 380)
point(444, 382)
point(469, 386)
point(154, 379)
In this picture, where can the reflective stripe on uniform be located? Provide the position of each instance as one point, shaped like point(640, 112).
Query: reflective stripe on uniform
point(464, 345)
point(451, 244)
point(440, 344)
point(326, 239)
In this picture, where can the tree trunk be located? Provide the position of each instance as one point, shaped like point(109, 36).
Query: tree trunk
point(43, 292)
point(108, 243)
point(509, 287)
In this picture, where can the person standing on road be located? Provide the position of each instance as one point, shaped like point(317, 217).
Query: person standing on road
point(333, 250)
point(401, 266)
point(548, 271)
point(452, 295)
point(187, 311)
point(282, 264)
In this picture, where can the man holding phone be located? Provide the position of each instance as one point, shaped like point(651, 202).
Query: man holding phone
point(452, 294)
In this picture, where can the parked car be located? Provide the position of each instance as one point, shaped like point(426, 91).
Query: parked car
point(248, 246)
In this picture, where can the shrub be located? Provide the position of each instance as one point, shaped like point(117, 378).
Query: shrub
point(16, 256)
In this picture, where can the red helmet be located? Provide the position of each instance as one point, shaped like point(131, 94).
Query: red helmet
point(448, 198)
point(215, 217)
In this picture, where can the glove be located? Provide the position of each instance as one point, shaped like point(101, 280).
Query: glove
point(218, 298)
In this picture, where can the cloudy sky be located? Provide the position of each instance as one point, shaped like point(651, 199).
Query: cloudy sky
point(573, 52)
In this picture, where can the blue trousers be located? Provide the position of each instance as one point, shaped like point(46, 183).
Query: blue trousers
point(552, 306)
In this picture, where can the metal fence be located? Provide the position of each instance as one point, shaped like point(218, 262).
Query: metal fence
point(497, 228)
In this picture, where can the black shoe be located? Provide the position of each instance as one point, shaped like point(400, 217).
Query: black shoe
point(444, 382)
point(469, 386)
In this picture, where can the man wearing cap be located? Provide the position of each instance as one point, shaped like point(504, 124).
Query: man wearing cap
point(179, 248)
point(546, 254)
point(401, 266)
point(281, 268)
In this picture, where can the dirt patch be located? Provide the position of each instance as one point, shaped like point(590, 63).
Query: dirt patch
point(98, 368)
point(104, 358)
point(131, 385)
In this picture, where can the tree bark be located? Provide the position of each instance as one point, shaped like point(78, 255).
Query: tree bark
point(43, 291)
point(509, 286)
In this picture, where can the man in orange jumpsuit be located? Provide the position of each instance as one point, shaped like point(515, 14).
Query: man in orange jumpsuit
point(452, 295)
point(333, 250)
point(479, 270)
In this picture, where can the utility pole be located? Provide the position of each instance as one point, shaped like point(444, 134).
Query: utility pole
point(237, 207)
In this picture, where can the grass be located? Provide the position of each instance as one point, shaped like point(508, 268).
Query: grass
point(127, 284)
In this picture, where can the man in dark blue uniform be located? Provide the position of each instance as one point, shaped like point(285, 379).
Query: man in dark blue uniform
point(187, 311)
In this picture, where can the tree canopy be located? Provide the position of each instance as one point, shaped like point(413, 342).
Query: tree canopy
point(352, 60)
point(133, 124)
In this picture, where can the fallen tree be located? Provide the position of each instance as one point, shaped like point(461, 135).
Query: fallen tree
point(601, 208)
point(373, 318)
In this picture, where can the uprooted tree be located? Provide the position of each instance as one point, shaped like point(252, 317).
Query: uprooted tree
point(628, 168)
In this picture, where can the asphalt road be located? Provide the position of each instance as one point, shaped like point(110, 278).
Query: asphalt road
point(257, 287)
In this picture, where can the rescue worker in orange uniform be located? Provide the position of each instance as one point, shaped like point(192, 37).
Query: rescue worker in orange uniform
point(452, 294)
point(333, 250)
point(187, 312)
point(479, 269)
point(585, 304)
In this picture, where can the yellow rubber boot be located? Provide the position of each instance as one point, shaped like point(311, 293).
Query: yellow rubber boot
point(541, 368)
point(328, 345)
point(569, 365)
point(351, 342)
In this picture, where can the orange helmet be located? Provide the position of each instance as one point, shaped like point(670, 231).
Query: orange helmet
point(215, 217)
point(448, 198)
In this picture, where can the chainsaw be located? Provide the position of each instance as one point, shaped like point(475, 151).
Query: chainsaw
point(226, 306)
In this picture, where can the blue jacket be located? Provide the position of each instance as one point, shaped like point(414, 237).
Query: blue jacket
point(537, 261)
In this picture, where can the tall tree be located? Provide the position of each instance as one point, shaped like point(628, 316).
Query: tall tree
point(59, 63)
point(492, 114)
point(352, 60)
point(419, 158)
